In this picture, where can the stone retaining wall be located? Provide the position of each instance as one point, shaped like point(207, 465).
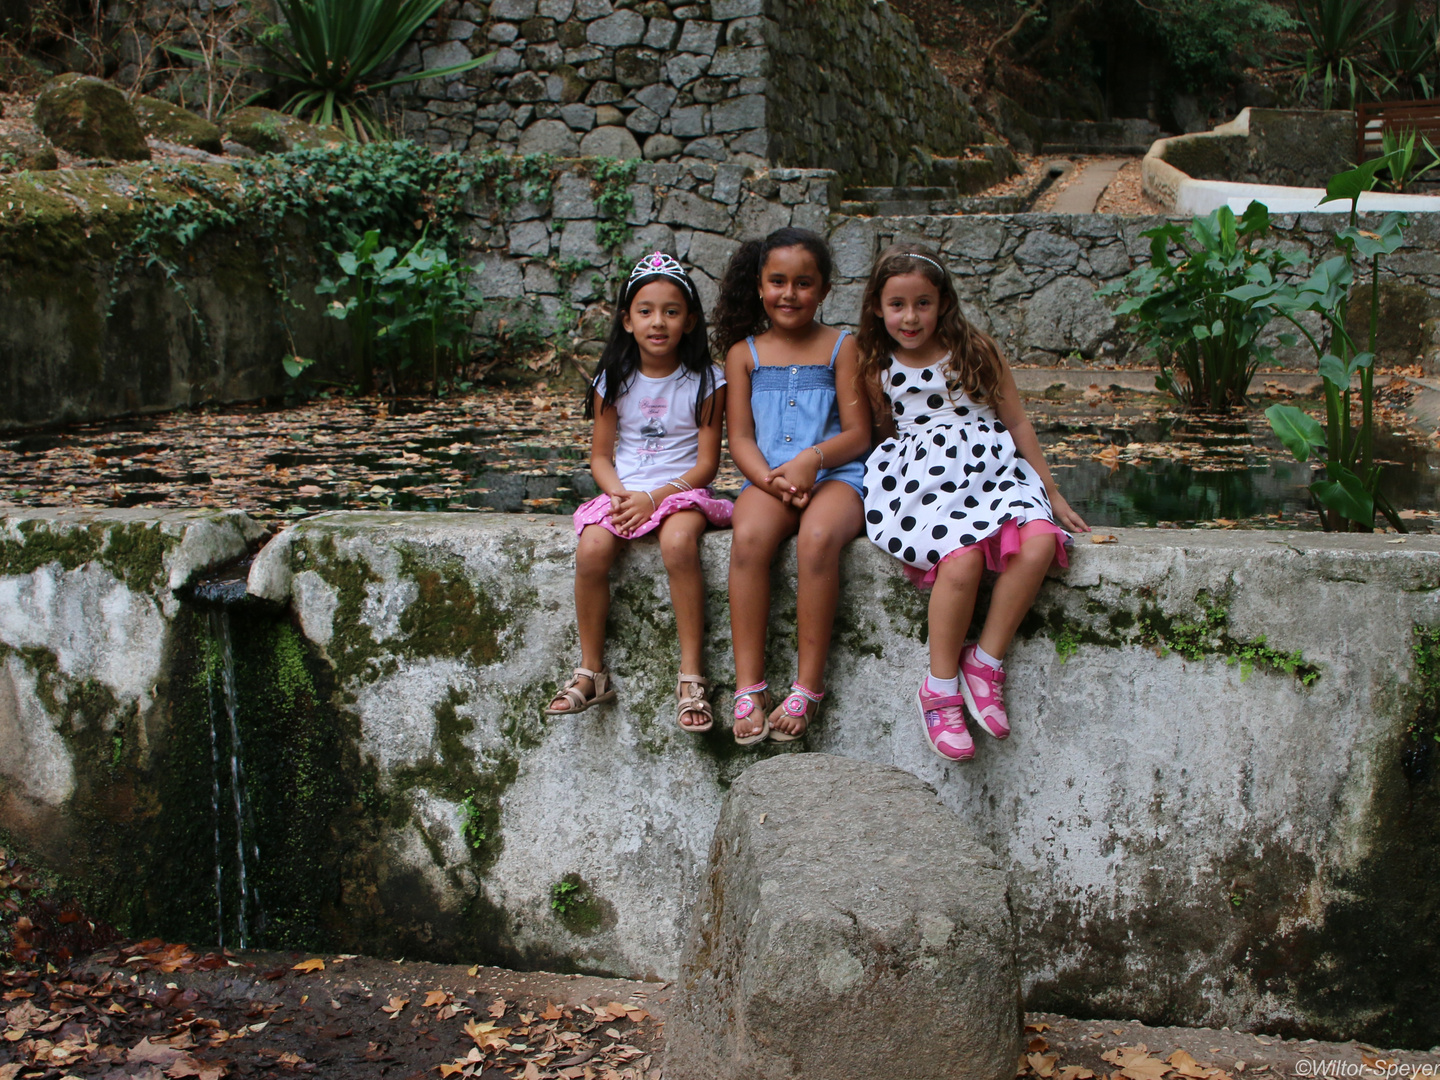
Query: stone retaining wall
point(716, 81)
point(1219, 804)
point(548, 249)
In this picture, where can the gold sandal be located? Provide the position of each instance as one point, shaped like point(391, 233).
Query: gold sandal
point(571, 692)
point(692, 703)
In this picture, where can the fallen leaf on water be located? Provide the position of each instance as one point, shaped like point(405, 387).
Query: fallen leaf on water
point(1043, 1064)
point(314, 964)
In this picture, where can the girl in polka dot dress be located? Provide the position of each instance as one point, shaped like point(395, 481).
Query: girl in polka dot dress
point(960, 486)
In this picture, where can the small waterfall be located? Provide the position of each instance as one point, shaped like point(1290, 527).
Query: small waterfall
point(247, 916)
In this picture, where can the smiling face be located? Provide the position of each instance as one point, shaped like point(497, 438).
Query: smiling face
point(659, 316)
point(910, 306)
point(791, 288)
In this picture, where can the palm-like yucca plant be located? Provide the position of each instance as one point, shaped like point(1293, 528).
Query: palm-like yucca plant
point(330, 49)
point(1408, 51)
point(1338, 31)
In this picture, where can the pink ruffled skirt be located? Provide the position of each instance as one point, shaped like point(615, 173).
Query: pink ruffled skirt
point(717, 511)
point(997, 549)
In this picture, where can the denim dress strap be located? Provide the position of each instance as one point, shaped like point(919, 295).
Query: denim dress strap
point(754, 353)
point(836, 353)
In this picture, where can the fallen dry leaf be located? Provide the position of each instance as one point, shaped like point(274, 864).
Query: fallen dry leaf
point(1043, 1064)
point(497, 1008)
point(313, 964)
point(1104, 538)
point(437, 997)
point(396, 1006)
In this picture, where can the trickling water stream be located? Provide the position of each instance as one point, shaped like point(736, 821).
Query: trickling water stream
point(241, 860)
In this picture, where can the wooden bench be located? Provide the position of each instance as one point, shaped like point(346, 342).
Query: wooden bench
point(1372, 120)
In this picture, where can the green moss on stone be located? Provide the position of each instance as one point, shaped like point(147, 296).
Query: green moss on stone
point(134, 552)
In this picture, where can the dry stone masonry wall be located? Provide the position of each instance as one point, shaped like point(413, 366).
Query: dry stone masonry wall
point(677, 80)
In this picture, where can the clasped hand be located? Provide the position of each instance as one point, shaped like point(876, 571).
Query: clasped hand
point(794, 482)
point(629, 510)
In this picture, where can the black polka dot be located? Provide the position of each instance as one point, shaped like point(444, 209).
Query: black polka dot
point(912, 486)
point(898, 379)
point(935, 401)
point(907, 523)
point(989, 485)
point(939, 531)
point(978, 450)
point(894, 545)
point(929, 498)
point(953, 451)
point(995, 504)
point(864, 491)
point(926, 375)
point(888, 483)
point(899, 408)
point(922, 419)
point(884, 465)
point(874, 517)
point(962, 411)
point(982, 525)
point(934, 556)
point(1000, 427)
point(971, 501)
point(948, 486)
point(938, 440)
point(967, 539)
point(895, 505)
point(1006, 485)
point(937, 470)
point(920, 453)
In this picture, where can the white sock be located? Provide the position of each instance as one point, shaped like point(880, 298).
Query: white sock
point(942, 687)
point(985, 658)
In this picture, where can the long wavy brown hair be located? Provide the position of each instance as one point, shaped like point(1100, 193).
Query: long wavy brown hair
point(974, 365)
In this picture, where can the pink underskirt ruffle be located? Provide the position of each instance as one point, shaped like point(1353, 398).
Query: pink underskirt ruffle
point(997, 548)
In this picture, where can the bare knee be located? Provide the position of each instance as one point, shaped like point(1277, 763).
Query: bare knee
point(594, 557)
point(749, 547)
point(818, 543)
point(679, 550)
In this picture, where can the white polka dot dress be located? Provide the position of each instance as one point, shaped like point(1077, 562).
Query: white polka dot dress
point(949, 478)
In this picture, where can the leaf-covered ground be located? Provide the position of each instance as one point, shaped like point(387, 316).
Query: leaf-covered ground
point(1122, 457)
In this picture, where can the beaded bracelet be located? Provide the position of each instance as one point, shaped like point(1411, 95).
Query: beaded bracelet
point(821, 453)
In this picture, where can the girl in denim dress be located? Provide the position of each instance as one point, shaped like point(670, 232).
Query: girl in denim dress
point(798, 428)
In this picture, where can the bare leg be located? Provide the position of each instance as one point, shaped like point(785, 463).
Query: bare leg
point(834, 517)
point(679, 545)
point(1015, 591)
point(952, 603)
point(593, 558)
point(761, 522)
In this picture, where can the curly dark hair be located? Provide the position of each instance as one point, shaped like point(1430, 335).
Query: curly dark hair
point(974, 365)
point(738, 312)
point(621, 358)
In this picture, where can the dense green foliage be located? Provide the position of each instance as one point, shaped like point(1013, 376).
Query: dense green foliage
point(1205, 337)
point(329, 50)
point(1204, 39)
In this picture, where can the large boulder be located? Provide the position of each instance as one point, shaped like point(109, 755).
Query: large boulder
point(170, 123)
point(88, 116)
point(268, 131)
point(21, 150)
point(850, 928)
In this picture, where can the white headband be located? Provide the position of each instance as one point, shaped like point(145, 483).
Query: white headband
point(932, 262)
point(660, 263)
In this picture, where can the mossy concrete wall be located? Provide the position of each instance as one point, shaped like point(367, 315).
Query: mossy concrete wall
point(1219, 804)
point(80, 339)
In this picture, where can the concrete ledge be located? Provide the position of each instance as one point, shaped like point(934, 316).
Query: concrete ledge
point(1219, 805)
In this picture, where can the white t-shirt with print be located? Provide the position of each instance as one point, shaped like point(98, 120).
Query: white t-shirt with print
point(657, 437)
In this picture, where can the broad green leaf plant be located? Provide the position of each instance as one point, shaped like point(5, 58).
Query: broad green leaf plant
point(1204, 334)
point(330, 50)
point(1348, 495)
point(402, 307)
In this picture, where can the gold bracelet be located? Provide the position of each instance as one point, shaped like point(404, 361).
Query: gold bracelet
point(821, 453)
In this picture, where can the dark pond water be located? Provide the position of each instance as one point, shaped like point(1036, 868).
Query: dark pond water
point(1118, 462)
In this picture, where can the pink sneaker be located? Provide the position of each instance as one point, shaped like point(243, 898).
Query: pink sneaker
point(944, 721)
point(981, 686)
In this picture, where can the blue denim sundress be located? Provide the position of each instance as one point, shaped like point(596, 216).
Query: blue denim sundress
point(794, 408)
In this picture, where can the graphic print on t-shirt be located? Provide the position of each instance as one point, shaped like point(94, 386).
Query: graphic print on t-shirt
point(653, 431)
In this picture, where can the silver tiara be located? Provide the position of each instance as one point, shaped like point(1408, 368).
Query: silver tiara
point(660, 263)
point(932, 262)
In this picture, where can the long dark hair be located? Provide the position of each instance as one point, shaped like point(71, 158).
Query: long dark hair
point(739, 312)
point(621, 358)
point(974, 364)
